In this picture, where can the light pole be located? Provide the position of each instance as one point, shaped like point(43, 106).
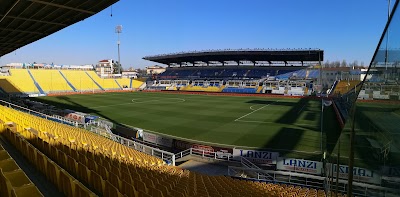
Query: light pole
point(118, 30)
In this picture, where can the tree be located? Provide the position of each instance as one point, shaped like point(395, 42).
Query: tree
point(337, 64)
point(355, 63)
point(362, 64)
point(327, 64)
point(344, 63)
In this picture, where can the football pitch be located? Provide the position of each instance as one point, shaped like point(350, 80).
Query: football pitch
point(281, 124)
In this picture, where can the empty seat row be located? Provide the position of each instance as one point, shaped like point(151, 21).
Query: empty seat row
point(65, 183)
point(13, 181)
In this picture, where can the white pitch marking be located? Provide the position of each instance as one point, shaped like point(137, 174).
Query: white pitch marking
point(251, 107)
point(111, 105)
point(253, 111)
point(161, 100)
point(136, 102)
point(301, 108)
point(262, 122)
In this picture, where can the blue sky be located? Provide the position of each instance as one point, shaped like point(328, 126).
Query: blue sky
point(345, 29)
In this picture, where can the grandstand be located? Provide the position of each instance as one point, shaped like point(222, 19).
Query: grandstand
point(54, 81)
point(239, 71)
point(51, 81)
point(19, 81)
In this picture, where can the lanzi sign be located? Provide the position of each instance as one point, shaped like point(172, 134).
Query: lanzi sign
point(299, 165)
point(257, 156)
point(359, 174)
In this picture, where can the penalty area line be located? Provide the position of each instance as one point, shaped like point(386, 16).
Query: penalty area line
point(254, 111)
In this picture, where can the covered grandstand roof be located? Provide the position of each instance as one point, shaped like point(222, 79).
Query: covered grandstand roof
point(252, 55)
point(25, 21)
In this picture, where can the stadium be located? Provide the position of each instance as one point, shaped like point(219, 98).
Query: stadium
point(229, 122)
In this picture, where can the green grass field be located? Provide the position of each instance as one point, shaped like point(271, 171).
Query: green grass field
point(271, 123)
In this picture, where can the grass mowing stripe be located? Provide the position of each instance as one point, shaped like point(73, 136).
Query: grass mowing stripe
point(206, 118)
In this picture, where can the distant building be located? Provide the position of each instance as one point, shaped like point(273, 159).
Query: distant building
point(155, 70)
point(47, 66)
point(106, 67)
point(129, 74)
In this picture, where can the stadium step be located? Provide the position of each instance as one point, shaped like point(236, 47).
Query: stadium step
point(70, 85)
point(36, 83)
point(130, 86)
point(221, 88)
point(118, 84)
point(259, 89)
point(94, 81)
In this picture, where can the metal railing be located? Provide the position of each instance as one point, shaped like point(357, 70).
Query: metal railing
point(205, 154)
point(311, 181)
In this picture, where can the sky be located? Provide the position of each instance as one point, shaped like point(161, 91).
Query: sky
point(344, 29)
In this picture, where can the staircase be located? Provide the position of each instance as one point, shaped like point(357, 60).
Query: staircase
point(36, 83)
point(221, 88)
point(245, 74)
point(70, 85)
point(94, 81)
point(259, 89)
point(130, 85)
point(118, 84)
point(143, 86)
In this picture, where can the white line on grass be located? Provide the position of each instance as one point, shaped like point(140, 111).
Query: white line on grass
point(133, 101)
point(110, 105)
point(263, 122)
point(149, 101)
point(251, 107)
point(301, 109)
point(254, 111)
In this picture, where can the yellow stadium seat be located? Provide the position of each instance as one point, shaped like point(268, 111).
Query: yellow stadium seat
point(61, 158)
point(72, 165)
point(53, 173)
point(8, 165)
point(41, 162)
point(82, 191)
point(18, 82)
point(104, 83)
point(4, 155)
point(128, 189)
point(83, 173)
point(80, 80)
point(50, 80)
point(28, 190)
point(96, 182)
point(17, 178)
